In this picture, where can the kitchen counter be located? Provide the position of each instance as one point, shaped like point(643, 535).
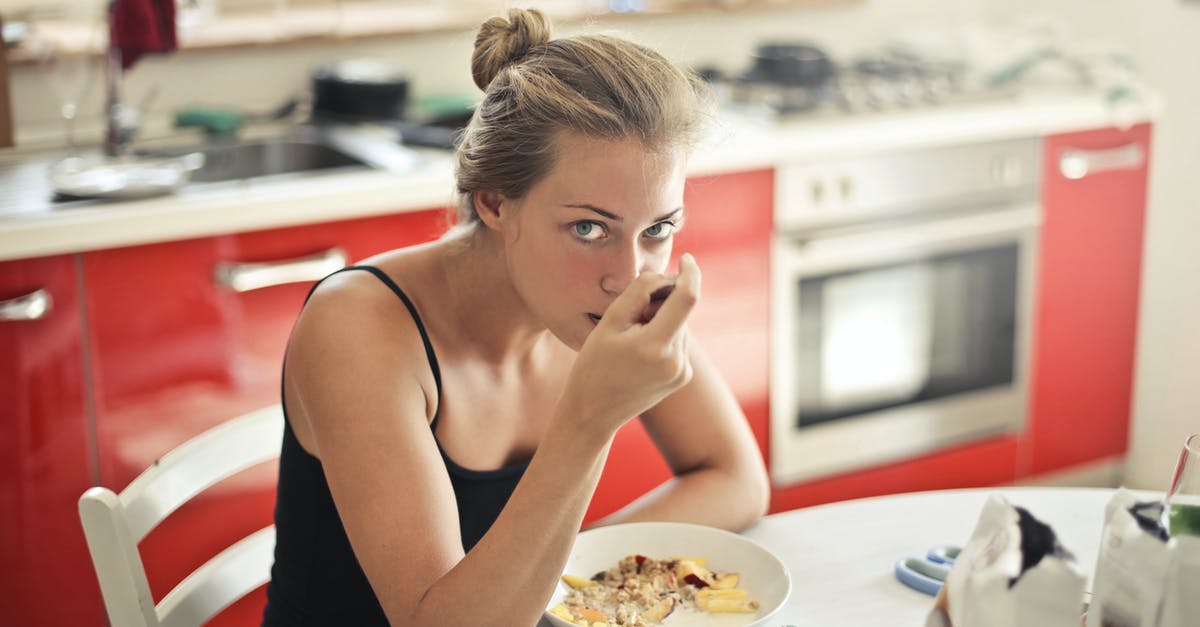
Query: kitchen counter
point(31, 225)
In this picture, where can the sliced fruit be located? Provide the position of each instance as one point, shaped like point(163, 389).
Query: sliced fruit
point(576, 582)
point(594, 616)
point(726, 581)
point(659, 610)
point(689, 571)
point(708, 594)
point(727, 606)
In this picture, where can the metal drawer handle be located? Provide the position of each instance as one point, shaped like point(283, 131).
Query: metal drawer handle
point(244, 277)
point(32, 306)
point(1076, 164)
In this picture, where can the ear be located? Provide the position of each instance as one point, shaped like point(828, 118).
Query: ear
point(488, 207)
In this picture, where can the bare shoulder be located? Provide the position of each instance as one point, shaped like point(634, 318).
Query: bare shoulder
point(356, 351)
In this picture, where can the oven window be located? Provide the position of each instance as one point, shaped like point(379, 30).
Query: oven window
point(880, 337)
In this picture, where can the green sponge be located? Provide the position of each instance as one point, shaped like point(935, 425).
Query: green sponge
point(211, 120)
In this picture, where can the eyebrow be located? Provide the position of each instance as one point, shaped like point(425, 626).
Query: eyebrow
point(616, 218)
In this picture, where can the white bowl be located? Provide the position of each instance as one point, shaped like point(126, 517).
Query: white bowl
point(762, 575)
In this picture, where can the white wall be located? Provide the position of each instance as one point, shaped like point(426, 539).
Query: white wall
point(1164, 37)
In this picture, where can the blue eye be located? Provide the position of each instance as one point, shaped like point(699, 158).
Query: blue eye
point(588, 230)
point(662, 230)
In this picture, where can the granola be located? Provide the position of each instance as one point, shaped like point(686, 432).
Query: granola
point(642, 591)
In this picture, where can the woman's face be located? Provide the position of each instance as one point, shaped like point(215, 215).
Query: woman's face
point(604, 214)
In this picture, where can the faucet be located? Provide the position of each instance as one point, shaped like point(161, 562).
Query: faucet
point(121, 120)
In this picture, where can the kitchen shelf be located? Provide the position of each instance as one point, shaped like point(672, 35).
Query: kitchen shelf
point(344, 21)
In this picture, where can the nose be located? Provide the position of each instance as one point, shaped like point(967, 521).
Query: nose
point(624, 266)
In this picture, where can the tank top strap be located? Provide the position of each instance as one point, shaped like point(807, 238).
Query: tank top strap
point(412, 309)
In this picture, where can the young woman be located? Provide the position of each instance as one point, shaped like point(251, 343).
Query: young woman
point(450, 406)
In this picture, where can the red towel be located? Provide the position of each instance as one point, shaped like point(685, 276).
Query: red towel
point(137, 27)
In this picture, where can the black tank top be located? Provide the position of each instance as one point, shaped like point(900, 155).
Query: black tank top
point(316, 580)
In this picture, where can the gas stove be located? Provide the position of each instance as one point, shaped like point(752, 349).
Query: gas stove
point(800, 80)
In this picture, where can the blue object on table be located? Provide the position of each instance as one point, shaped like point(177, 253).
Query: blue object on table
point(921, 575)
point(943, 554)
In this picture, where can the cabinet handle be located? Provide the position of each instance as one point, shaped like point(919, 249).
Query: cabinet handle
point(244, 277)
point(32, 306)
point(1076, 164)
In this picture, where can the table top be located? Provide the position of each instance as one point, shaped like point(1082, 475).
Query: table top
point(841, 555)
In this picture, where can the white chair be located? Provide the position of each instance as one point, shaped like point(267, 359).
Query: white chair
point(115, 523)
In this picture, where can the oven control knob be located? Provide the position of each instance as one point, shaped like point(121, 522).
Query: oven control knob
point(817, 188)
point(846, 187)
point(1006, 171)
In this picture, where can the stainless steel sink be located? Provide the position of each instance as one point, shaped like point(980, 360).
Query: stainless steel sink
point(267, 158)
point(310, 150)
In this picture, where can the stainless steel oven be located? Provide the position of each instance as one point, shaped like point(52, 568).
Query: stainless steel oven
point(901, 300)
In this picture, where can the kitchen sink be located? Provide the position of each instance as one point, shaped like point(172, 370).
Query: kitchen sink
point(267, 158)
point(311, 150)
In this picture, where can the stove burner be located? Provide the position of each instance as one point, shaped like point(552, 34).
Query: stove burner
point(869, 83)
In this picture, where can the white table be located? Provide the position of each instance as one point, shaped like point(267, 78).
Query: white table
point(841, 555)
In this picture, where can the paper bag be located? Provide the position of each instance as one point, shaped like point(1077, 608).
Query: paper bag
point(1143, 577)
point(1013, 572)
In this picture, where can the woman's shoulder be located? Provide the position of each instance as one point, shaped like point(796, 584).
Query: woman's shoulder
point(369, 300)
point(379, 278)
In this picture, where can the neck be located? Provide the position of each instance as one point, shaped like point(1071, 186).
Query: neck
point(488, 310)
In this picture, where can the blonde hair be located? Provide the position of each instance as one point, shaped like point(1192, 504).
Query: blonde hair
point(536, 87)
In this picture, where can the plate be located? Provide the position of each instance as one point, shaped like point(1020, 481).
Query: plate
point(762, 574)
point(124, 178)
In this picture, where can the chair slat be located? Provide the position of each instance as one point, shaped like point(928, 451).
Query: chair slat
point(199, 463)
point(231, 575)
point(114, 524)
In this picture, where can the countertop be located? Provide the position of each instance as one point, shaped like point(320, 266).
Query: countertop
point(841, 555)
point(32, 225)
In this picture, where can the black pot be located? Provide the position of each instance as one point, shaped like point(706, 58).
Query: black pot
point(792, 64)
point(359, 90)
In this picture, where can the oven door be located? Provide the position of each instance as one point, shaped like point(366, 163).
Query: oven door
point(899, 340)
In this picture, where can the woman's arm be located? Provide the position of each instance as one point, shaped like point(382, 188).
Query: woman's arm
point(368, 412)
point(720, 478)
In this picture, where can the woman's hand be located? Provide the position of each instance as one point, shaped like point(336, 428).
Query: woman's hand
point(628, 363)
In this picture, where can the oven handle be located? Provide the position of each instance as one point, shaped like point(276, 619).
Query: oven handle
point(835, 253)
point(1075, 163)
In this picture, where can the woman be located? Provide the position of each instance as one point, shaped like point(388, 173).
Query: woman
point(450, 406)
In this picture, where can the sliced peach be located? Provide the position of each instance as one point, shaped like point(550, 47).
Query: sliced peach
point(659, 610)
point(727, 606)
point(722, 593)
point(689, 571)
point(726, 581)
point(576, 581)
point(593, 616)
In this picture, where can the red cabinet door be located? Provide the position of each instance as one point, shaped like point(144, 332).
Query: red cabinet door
point(1087, 297)
point(728, 229)
point(980, 464)
point(45, 458)
point(175, 351)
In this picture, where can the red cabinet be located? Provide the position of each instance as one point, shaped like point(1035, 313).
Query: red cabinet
point(45, 459)
point(728, 229)
point(1085, 323)
point(110, 359)
point(986, 463)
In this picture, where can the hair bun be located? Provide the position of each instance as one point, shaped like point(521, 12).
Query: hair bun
point(501, 42)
